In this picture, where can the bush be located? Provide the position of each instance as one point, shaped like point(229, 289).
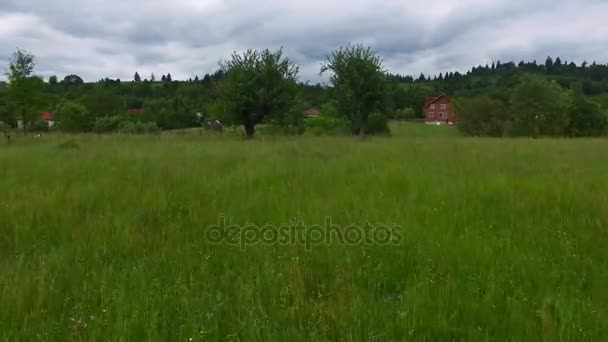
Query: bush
point(321, 125)
point(538, 108)
point(378, 124)
point(128, 127)
point(484, 116)
point(73, 117)
point(586, 117)
point(405, 114)
point(106, 124)
point(39, 126)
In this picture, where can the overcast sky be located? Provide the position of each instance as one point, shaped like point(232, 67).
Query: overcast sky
point(114, 38)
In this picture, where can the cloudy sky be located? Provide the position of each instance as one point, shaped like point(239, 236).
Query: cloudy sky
point(114, 38)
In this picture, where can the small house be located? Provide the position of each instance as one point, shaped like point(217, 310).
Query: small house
point(439, 111)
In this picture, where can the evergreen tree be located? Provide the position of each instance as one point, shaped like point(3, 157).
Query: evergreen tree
point(168, 78)
point(137, 78)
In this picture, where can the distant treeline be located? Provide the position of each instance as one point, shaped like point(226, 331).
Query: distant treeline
point(173, 104)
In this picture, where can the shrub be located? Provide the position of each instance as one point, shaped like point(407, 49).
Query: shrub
point(538, 108)
point(378, 124)
point(586, 117)
point(405, 114)
point(326, 125)
point(106, 124)
point(128, 127)
point(73, 117)
point(484, 116)
point(39, 126)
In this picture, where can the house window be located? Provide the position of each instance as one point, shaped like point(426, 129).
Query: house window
point(444, 106)
point(431, 115)
point(433, 106)
point(443, 115)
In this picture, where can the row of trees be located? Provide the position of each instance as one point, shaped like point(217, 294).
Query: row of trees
point(536, 107)
point(263, 87)
point(252, 88)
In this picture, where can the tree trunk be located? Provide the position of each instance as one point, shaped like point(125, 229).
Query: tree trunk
point(249, 129)
point(362, 131)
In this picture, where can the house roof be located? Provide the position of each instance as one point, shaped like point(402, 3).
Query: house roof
point(312, 112)
point(431, 100)
point(46, 116)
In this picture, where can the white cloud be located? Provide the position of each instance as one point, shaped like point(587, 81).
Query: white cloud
point(111, 38)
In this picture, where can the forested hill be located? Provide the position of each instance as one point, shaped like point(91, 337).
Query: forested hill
point(172, 104)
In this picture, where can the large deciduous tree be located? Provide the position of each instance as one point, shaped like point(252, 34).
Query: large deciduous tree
point(359, 83)
point(24, 87)
point(73, 80)
point(73, 117)
point(257, 86)
point(538, 108)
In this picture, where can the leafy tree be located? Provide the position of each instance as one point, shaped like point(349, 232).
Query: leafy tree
point(24, 88)
point(359, 84)
point(136, 77)
point(107, 124)
point(152, 77)
point(483, 116)
point(585, 117)
point(73, 117)
point(53, 80)
point(257, 86)
point(168, 78)
point(537, 108)
point(73, 80)
point(163, 78)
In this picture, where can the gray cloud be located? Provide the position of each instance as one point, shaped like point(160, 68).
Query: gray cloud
point(95, 38)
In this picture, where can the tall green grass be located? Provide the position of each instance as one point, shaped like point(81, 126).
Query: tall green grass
point(502, 240)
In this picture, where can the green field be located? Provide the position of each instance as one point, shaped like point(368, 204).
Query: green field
point(499, 240)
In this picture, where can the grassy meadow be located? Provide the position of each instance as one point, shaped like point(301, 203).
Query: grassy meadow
point(104, 239)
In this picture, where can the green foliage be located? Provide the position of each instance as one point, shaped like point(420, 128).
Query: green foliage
point(21, 65)
point(326, 125)
point(586, 118)
point(73, 117)
point(483, 116)
point(73, 80)
point(138, 127)
point(107, 124)
point(258, 86)
point(40, 126)
point(24, 89)
point(53, 80)
point(405, 114)
point(329, 109)
point(538, 108)
point(359, 84)
point(378, 124)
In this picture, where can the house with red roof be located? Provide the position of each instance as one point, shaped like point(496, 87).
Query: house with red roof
point(439, 111)
point(47, 117)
